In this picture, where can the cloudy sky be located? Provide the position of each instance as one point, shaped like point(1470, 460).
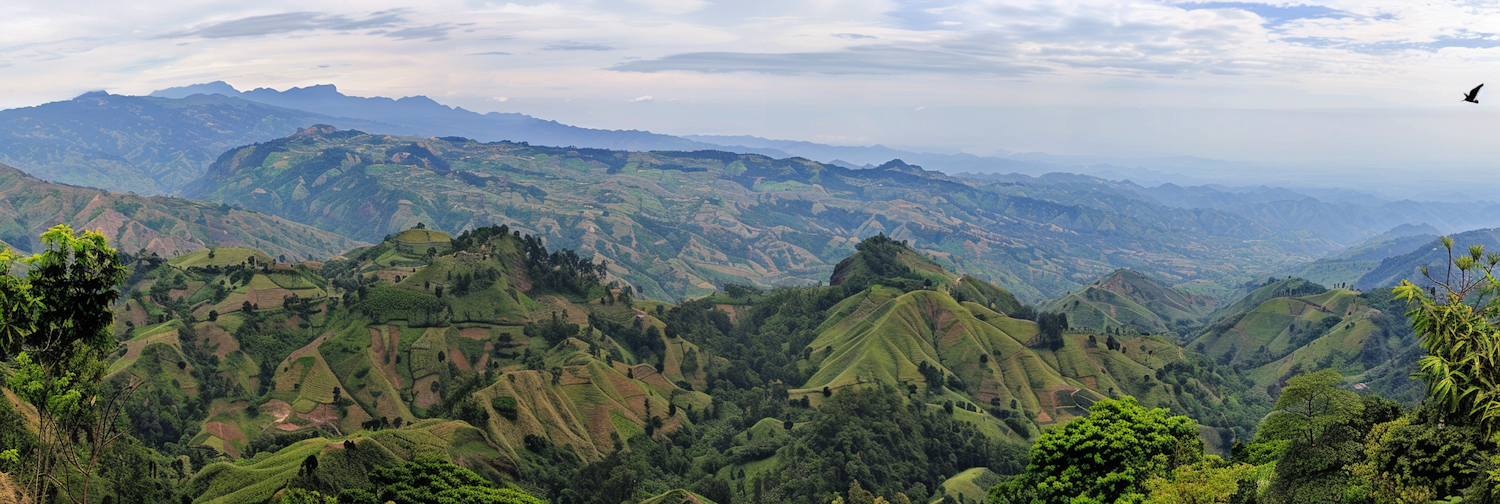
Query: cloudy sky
point(1339, 87)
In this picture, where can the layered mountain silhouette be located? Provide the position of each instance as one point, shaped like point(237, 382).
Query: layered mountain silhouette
point(141, 144)
point(683, 223)
point(158, 225)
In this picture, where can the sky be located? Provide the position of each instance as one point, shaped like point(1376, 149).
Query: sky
point(1336, 90)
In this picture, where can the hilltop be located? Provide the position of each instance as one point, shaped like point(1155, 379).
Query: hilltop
point(1293, 326)
point(163, 226)
point(1129, 300)
point(245, 355)
point(513, 359)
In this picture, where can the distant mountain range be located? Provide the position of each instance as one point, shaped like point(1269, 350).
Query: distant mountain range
point(164, 226)
point(163, 143)
point(141, 144)
point(420, 113)
point(685, 223)
point(1426, 252)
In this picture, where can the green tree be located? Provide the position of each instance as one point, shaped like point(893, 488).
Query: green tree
point(54, 333)
point(858, 495)
point(1309, 405)
point(436, 481)
point(1105, 457)
point(1314, 453)
point(301, 496)
point(1421, 456)
point(1460, 329)
point(1208, 482)
point(1050, 327)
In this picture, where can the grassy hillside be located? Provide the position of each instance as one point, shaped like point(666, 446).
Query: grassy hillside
point(682, 224)
point(530, 364)
point(345, 460)
point(941, 350)
point(164, 226)
point(1257, 293)
point(1127, 299)
point(389, 336)
point(972, 485)
point(1361, 335)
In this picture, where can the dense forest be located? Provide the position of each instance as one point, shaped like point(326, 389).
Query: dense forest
point(486, 368)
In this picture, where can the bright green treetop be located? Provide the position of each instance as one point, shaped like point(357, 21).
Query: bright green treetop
point(60, 312)
point(1309, 405)
point(54, 333)
point(1105, 457)
point(1460, 330)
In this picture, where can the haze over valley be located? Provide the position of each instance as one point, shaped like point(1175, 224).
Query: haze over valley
point(673, 252)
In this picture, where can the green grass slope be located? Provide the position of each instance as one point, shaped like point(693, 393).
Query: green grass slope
point(165, 226)
point(390, 337)
point(1128, 299)
point(1285, 336)
point(985, 359)
point(1270, 289)
point(589, 402)
point(973, 484)
point(256, 480)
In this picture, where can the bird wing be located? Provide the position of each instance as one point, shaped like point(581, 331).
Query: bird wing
point(1476, 90)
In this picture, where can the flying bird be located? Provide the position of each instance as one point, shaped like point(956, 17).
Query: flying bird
point(1473, 96)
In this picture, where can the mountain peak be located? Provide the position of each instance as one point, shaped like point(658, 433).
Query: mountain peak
point(316, 129)
point(1127, 298)
point(898, 165)
point(315, 90)
point(207, 88)
point(881, 260)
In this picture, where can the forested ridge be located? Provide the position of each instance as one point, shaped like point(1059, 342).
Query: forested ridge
point(486, 367)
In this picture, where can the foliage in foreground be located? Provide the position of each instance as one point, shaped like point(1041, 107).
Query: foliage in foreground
point(54, 336)
point(432, 481)
point(1104, 457)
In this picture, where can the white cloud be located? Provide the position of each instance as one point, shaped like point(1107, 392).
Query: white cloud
point(672, 6)
point(642, 99)
point(803, 68)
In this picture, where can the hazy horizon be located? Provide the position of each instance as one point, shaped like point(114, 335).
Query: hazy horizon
point(1331, 94)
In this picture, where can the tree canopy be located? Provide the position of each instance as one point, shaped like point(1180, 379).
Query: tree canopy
point(1105, 457)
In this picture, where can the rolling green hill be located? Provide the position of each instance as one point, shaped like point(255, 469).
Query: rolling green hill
point(521, 362)
point(380, 340)
point(682, 224)
point(1270, 289)
point(903, 331)
point(1294, 326)
point(161, 225)
point(1128, 299)
point(346, 460)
